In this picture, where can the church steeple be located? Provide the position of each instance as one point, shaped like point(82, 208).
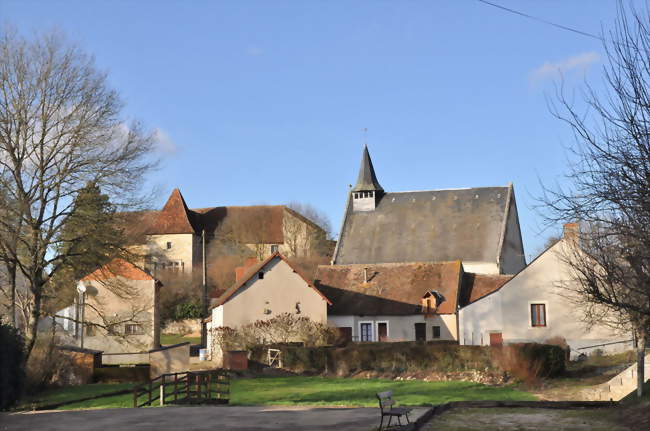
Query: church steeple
point(367, 191)
point(367, 180)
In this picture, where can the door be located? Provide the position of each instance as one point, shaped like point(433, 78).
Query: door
point(420, 332)
point(382, 331)
point(496, 339)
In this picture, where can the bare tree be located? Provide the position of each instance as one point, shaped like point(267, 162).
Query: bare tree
point(60, 128)
point(608, 187)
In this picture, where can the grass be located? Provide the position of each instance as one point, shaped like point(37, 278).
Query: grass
point(530, 419)
point(170, 339)
point(69, 393)
point(317, 391)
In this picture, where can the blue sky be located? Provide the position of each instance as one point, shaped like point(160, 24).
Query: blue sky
point(265, 101)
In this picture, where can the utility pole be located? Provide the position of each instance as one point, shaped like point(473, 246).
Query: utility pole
point(204, 326)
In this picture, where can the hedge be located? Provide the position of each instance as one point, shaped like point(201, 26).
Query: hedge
point(139, 373)
point(12, 374)
point(413, 357)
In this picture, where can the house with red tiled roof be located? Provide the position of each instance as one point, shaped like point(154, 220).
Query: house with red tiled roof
point(172, 238)
point(535, 305)
point(118, 309)
point(264, 290)
point(406, 261)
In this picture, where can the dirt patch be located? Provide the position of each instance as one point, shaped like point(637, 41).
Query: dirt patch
point(506, 419)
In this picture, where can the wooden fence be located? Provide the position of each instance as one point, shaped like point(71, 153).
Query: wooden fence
point(190, 387)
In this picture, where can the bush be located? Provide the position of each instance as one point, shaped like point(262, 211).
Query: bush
point(12, 374)
point(521, 360)
point(139, 373)
point(529, 362)
point(282, 329)
point(187, 310)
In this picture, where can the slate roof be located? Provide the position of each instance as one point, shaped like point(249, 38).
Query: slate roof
point(367, 180)
point(429, 226)
point(476, 286)
point(392, 289)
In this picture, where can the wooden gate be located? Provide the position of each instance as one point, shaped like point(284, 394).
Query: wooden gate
point(190, 387)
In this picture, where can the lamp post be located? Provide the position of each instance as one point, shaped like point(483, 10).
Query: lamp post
point(81, 288)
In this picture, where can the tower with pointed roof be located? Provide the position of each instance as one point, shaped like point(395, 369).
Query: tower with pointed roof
point(367, 192)
point(478, 226)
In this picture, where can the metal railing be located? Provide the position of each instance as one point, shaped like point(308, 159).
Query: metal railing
point(189, 387)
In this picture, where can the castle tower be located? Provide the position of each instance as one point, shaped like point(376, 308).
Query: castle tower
point(367, 193)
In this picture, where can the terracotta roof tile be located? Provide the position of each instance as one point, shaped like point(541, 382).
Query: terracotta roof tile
point(253, 270)
point(476, 286)
point(175, 217)
point(118, 267)
point(392, 289)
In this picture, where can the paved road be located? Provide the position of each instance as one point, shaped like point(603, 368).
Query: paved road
point(213, 418)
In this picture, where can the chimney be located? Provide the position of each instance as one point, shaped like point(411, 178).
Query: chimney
point(571, 231)
point(241, 270)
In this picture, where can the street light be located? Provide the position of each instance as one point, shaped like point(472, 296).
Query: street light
point(81, 288)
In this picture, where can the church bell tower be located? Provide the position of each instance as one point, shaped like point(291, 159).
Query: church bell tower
point(367, 193)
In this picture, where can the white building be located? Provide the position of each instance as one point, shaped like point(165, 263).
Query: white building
point(536, 305)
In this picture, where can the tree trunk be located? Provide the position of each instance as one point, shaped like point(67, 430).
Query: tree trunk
point(640, 364)
point(11, 269)
point(31, 328)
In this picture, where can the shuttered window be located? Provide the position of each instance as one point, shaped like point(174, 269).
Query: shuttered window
point(538, 314)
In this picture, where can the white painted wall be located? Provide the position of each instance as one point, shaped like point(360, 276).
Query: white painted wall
point(400, 328)
point(544, 281)
point(478, 319)
point(279, 291)
point(481, 267)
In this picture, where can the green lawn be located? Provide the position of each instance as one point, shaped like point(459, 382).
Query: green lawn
point(170, 339)
point(69, 393)
point(317, 391)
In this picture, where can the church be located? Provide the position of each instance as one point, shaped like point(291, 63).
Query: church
point(405, 262)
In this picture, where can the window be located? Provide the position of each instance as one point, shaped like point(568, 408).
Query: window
point(538, 315)
point(90, 330)
point(366, 331)
point(112, 329)
point(436, 332)
point(169, 245)
point(260, 275)
point(133, 329)
point(274, 248)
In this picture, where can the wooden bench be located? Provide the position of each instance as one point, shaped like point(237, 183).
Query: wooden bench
point(386, 403)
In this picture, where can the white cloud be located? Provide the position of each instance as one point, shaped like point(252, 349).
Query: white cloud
point(580, 62)
point(163, 142)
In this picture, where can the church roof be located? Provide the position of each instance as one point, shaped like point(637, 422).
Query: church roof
point(367, 180)
point(391, 289)
point(427, 226)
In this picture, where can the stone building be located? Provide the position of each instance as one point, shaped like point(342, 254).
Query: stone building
point(172, 238)
point(406, 261)
point(478, 226)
